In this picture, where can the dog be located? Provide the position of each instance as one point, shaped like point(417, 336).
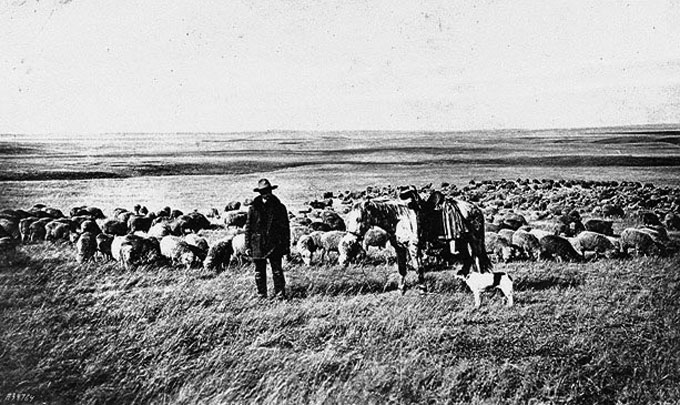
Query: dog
point(479, 282)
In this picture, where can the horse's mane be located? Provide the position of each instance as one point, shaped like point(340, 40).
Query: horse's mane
point(385, 210)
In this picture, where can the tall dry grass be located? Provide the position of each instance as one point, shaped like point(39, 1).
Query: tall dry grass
point(604, 332)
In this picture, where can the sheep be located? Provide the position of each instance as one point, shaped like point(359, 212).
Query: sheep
point(599, 226)
point(89, 226)
point(528, 243)
point(235, 219)
point(178, 251)
point(349, 248)
point(319, 226)
point(232, 206)
point(86, 246)
point(650, 218)
point(238, 245)
point(376, 237)
point(8, 250)
point(159, 230)
point(104, 242)
point(333, 220)
point(95, 212)
point(323, 242)
point(219, 256)
point(558, 248)
point(588, 241)
point(24, 228)
point(11, 227)
point(540, 233)
point(199, 243)
point(56, 230)
point(506, 234)
point(114, 227)
point(36, 231)
point(513, 221)
point(53, 212)
point(641, 242)
point(657, 232)
point(500, 247)
point(672, 221)
point(139, 223)
point(132, 250)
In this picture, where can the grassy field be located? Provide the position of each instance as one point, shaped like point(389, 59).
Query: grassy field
point(604, 332)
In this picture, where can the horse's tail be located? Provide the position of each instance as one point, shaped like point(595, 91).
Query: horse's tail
point(485, 264)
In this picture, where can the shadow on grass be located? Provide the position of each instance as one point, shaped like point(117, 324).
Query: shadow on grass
point(545, 282)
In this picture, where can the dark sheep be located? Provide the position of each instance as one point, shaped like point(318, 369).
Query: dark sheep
point(672, 221)
point(235, 219)
point(219, 256)
point(600, 226)
point(86, 247)
point(132, 250)
point(319, 226)
point(376, 237)
point(554, 247)
point(650, 218)
point(499, 247)
point(114, 227)
point(24, 230)
point(56, 230)
point(610, 210)
point(36, 232)
point(8, 249)
point(513, 221)
point(232, 206)
point(640, 242)
point(333, 220)
point(53, 212)
point(10, 227)
point(104, 245)
point(139, 223)
point(528, 243)
point(89, 226)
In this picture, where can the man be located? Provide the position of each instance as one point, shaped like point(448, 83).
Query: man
point(268, 237)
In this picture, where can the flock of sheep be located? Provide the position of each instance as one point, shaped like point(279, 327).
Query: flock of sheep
point(525, 220)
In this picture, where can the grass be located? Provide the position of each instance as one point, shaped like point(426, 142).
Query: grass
point(602, 332)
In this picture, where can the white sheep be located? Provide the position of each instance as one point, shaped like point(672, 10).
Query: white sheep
point(323, 242)
point(178, 251)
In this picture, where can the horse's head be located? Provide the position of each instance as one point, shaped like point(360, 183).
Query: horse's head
point(412, 198)
point(358, 219)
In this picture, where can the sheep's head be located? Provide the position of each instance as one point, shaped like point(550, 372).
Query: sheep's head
point(306, 248)
point(349, 248)
point(188, 259)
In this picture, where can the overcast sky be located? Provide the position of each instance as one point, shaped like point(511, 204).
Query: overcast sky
point(90, 66)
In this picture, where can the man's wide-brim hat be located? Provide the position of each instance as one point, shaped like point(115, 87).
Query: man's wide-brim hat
point(264, 185)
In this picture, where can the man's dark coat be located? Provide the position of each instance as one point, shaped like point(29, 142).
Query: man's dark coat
point(267, 228)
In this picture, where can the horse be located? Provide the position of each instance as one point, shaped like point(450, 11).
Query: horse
point(401, 224)
point(446, 219)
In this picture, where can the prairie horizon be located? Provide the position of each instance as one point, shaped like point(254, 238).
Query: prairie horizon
point(206, 170)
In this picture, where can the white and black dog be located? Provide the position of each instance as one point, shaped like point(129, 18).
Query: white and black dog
point(479, 282)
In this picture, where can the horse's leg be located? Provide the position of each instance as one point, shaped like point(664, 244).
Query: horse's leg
point(465, 251)
point(414, 252)
point(401, 265)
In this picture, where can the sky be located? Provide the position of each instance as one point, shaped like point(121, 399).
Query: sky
point(94, 66)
